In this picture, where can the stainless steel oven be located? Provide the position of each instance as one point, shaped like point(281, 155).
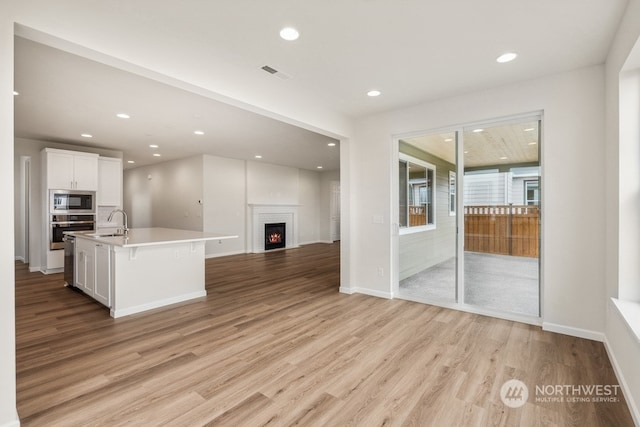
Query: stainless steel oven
point(59, 224)
point(72, 202)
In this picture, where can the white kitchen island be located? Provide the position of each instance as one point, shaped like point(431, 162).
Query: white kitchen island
point(146, 269)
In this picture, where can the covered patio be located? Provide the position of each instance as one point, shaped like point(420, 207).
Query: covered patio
point(497, 282)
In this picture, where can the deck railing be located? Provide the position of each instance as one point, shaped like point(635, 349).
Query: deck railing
point(506, 230)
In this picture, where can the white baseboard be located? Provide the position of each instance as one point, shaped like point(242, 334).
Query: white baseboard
point(365, 291)
point(157, 304)
point(20, 258)
point(574, 332)
point(11, 423)
point(635, 413)
point(34, 269)
point(51, 270)
point(207, 256)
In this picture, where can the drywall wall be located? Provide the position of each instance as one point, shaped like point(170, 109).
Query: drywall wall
point(324, 216)
point(225, 204)
point(309, 196)
point(165, 194)
point(8, 413)
point(209, 193)
point(573, 140)
point(621, 200)
point(272, 184)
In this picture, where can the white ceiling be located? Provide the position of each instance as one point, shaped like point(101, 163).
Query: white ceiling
point(63, 96)
point(411, 50)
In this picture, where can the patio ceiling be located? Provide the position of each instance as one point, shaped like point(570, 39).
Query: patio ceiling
point(510, 144)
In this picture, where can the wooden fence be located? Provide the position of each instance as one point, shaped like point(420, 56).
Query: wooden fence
point(507, 230)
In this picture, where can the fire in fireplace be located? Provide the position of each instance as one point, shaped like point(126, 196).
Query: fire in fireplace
point(275, 236)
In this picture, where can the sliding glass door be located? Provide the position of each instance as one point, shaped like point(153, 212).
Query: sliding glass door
point(469, 205)
point(427, 217)
point(502, 217)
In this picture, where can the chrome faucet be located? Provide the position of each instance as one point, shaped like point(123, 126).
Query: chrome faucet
point(125, 220)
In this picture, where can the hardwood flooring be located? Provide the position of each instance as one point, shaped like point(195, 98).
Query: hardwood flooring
point(275, 344)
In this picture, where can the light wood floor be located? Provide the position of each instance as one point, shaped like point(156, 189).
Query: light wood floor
point(275, 343)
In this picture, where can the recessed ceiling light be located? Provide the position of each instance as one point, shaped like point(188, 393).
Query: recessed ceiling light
point(131, 161)
point(153, 146)
point(15, 93)
point(258, 156)
point(86, 135)
point(331, 144)
point(198, 132)
point(533, 143)
point(503, 158)
point(373, 93)
point(157, 154)
point(466, 152)
point(448, 140)
point(289, 34)
point(506, 57)
point(318, 167)
point(123, 115)
point(478, 130)
point(529, 129)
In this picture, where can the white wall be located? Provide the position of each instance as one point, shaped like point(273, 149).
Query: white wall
point(225, 203)
point(8, 414)
point(31, 148)
point(573, 105)
point(325, 204)
point(309, 210)
point(165, 194)
point(622, 202)
point(272, 184)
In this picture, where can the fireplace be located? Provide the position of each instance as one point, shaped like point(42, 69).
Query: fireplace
point(275, 235)
point(261, 214)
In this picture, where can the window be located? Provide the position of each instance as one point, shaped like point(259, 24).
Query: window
point(532, 192)
point(452, 193)
point(417, 193)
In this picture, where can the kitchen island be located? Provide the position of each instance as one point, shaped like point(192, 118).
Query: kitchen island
point(145, 269)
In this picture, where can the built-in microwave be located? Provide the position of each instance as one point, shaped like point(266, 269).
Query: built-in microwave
point(72, 202)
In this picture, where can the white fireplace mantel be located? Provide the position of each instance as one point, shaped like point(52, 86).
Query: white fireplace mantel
point(261, 214)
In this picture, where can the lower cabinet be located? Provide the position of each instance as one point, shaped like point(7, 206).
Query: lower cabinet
point(93, 270)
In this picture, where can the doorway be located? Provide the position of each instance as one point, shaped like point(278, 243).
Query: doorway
point(469, 218)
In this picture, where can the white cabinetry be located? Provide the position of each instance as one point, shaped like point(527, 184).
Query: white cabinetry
point(109, 182)
point(71, 170)
point(93, 270)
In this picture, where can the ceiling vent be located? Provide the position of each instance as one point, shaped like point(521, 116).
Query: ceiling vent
point(276, 73)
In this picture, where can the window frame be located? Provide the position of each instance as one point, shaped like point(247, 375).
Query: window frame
point(428, 166)
point(526, 192)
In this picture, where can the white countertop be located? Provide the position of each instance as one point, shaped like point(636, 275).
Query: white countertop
point(151, 236)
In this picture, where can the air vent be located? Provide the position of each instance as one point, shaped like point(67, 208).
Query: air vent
point(269, 69)
point(276, 73)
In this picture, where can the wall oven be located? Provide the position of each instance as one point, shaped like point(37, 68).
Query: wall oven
point(72, 202)
point(59, 224)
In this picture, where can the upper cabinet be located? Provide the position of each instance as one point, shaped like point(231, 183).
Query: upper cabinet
point(109, 181)
point(71, 170)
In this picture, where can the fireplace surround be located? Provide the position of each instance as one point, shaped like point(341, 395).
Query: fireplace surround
point(261, 214)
